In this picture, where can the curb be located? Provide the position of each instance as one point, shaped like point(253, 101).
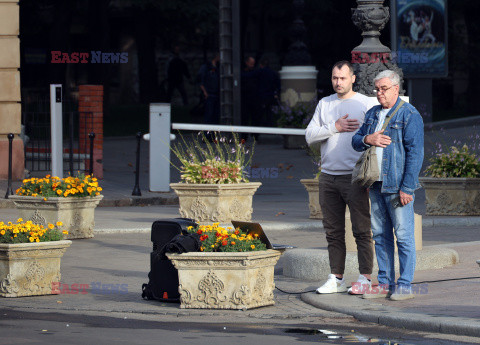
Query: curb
point(397, 317)
point(454, 221)
point(139, 201)
point(274, 226)
point(120, 202)
point(266, 225)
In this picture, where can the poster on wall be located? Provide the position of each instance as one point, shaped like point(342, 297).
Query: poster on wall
point(421, 38)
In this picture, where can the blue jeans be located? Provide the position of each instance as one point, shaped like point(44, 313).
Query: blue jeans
point(385, 218)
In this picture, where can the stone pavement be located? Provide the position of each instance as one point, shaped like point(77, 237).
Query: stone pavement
point(119, 253)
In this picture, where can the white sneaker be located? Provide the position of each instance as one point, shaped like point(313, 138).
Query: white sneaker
point(360, 286)
point(332, 285)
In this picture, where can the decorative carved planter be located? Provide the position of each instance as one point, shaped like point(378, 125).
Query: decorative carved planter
point(216, 202)
point(76, 214)
point(226, 280)
point(312, 187)
point(29, 269)
point(453, 196)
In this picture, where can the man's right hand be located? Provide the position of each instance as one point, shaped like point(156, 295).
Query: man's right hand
point(344, 124)
point(378, 139)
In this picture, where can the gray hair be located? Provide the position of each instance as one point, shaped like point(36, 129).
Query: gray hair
point(392, 75)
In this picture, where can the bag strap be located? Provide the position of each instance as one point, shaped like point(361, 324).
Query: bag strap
point(387, 120)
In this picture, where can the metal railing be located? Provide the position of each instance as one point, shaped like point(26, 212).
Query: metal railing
point(37, 144)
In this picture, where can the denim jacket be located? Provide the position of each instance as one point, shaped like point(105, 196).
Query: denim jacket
point(403, 158)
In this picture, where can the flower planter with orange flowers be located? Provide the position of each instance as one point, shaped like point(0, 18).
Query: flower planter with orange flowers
point(226, 280)
point(76, 213)
point(233, 270)
point(70, 200)
point(30, 269)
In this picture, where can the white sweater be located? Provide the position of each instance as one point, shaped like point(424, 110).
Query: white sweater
point(338, 156)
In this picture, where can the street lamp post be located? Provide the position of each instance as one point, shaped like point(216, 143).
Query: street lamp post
point(371, 56)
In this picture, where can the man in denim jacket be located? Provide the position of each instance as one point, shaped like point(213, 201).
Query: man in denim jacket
point(399, 151)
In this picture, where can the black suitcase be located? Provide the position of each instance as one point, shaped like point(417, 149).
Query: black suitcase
point(163, 276)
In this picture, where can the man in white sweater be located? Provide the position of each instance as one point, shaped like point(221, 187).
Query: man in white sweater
point(336, 119)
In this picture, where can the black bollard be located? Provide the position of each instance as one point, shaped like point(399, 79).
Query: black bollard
point(136, 188)
point(92, 137)
point(9, 187)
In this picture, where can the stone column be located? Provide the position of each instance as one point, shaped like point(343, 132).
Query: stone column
point(371, 56)
point(10, 108)
point(90, 106)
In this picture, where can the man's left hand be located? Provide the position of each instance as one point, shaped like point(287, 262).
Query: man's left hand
point(405, 198)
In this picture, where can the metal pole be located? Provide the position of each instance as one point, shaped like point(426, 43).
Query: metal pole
point(393, 25)
point(71, 144)
point(237, 62)
point(136, 188)
point(56, 129)
point(91, 136)
point(9, 187)
point(226, 61)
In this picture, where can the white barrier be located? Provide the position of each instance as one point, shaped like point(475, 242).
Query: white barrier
point(159, 169)
point(238, 129)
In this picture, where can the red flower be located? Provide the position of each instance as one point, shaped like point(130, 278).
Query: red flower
point(199, 232)
point(236, 232)
point(224, 242)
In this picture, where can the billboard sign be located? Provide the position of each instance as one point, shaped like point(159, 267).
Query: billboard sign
point(421, 38)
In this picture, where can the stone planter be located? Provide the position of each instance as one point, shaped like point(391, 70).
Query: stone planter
point(312, 187)
point(76, 214)
point(29, 269)
point(295, 142)
point(226, 280)
point(453, 196)
point(216, 202)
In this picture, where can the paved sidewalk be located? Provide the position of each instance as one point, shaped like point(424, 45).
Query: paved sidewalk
point(119, 253)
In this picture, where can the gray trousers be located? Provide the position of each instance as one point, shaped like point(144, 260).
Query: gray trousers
point(337, 191)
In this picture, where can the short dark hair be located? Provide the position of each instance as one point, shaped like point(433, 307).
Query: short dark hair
point(342, 63)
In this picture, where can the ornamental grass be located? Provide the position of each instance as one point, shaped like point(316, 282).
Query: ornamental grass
point(213, 160)
point(77, 187)
point(26, 232)
point(215, 238)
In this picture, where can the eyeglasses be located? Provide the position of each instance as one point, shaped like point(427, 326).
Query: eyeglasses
point(382, 90)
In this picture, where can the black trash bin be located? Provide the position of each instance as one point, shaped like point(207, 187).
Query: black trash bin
point(163, 276)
